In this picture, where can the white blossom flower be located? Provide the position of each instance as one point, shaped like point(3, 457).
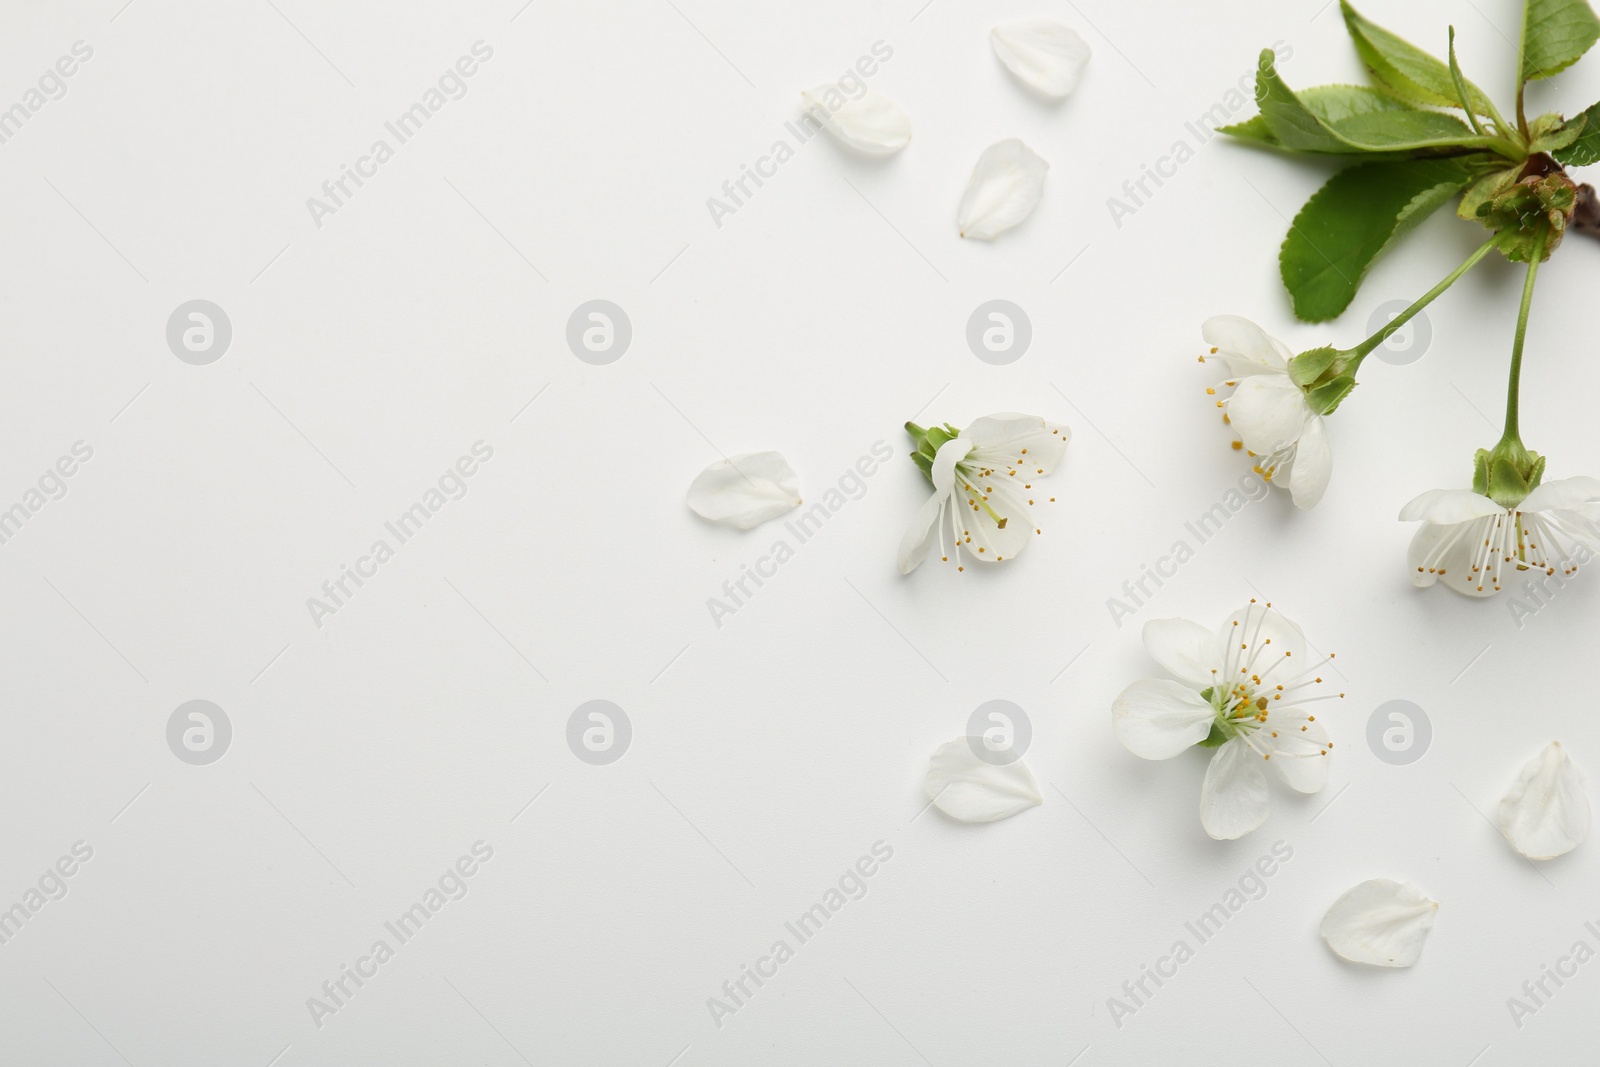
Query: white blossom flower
point(1005, 187)
point(1268, 410)
point(982, 488)
point(1379, 922)
point(1242, 690)
point(971, 789)
point(1546, 813)
point(745, 490)
point(1045, 55)
point(1470, 541)
point(868, 121)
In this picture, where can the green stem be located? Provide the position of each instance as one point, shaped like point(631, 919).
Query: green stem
point(1361, 351)
point(1514, 386)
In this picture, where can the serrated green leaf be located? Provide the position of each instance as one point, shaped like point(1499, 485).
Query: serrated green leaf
point(1351, 119)
point(1586, 149)
point(1403, 68)
point(1254, 128)
point(1555, 35)
point(1348, 223)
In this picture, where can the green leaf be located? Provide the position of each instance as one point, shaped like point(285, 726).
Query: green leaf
point(1555, 34)
point(1254, 128)
point(1346, 119)
point(1403, 68)
point(1348, 223)
point(1586, 149)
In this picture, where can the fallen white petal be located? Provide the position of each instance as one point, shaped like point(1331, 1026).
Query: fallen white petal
point(1004, 189)
point(1045, 55)
point(1381, 922)
point(970, 789)
point(1546, 812)
point(746, 490)
point(870, 123)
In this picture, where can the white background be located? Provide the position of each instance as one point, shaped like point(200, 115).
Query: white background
point(772, 751)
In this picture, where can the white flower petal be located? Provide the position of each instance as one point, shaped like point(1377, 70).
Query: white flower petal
point(1233, 797)
point(1313, 464)
point(1268, 411)
point(1045, 55)
point(1546, 812)
point(919, 537)
point(990, 542)
point(1562, 494)
point(1244, 347)
point(924, 529)
point(1446, 507)
point(1300, 752)
point(970, 789)
point(1269, 635)
point(1455, 566)
point(1026, 440)
point(870, 123)
point(1156, 718)
point(1380, 922)
point(1004, 189)
point(1186, 649)
point(745, 490)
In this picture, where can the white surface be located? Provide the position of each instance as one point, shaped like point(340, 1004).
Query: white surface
point(768, 754)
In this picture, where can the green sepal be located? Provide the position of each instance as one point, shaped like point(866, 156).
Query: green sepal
point(1326, 398)
point(927, 442)
point(1507, 486)
point(1215, 739)
point(1484, 189)
point(1480, 472)
point(1532, 212)
point(1508, 473)
point(1312, 364)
